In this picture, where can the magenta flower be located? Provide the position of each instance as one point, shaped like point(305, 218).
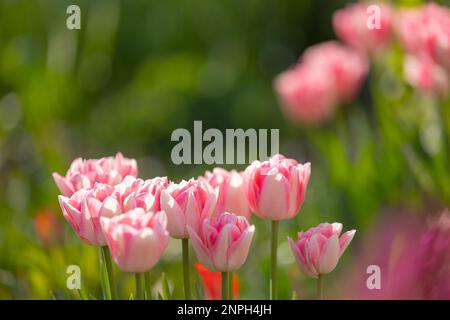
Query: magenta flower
point(137, 239)
point(84, 174)
point(319, 249)
point(276, 188)
point(187, 203)
point(229, 186)
point(222, 243)
point(351, 26)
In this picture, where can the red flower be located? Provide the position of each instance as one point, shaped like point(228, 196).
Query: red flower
point(48, 227)
point(212, 283)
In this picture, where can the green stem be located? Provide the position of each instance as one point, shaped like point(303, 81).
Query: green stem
point(320, 287)
point(139, 286)
point(110, 272)
point(106, 290)
point(185, 250)
point(225, 276)
point(274, 247)
point(148, 286)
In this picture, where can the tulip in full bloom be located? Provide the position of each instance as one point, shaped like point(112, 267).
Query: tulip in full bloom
point(187, 203)
point(83, 211)
point(137, 239)
point(222, 242)
point(84, 208)
point(276, 188)
point(352, 23)
point(83, 174)
point(231, 191)
point(319, 249)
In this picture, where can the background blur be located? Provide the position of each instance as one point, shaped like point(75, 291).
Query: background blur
point(139, 69)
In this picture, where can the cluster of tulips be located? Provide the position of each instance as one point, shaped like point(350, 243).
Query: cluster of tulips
point(131, 219)
point(330, 74)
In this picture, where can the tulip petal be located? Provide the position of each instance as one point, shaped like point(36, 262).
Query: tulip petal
point(345, 240)
point(329, 256)
point(220, 252)
point(176, 220)
point(273, 202)
point(201, 251)
point(239, 249)
point(63, 185)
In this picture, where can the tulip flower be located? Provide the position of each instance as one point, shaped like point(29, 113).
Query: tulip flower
point(431, 32)
point(275, 191)
point(230, 190)
point(212, 285)
point(222, 244)
point(327, 75)
point(355, 27)
point(319, 249)
point(187, 203)
point(345, 66)
point(83, 174)
point(426, 75)
point(306, 94)
point(137, 240)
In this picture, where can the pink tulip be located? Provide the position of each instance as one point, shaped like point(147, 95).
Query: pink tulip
point(351, 26)
point(276, 188)
point(426, 31)
point(83, 174)
point(426, 75)
point(327, 75)
point(345, 66)
point(319, 249)
point(230, 190)
point(306, 94)
point(187, 203)
point(85, 207)
point(222, 243)
point(137, 239)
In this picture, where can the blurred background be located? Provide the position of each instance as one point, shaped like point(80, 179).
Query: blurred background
point(139, 69)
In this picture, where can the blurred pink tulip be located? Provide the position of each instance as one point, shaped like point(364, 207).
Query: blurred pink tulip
point(83, 174)
point(222, 243)
point(230, 190)
point(328, 74)
point(345, 66)
point(137, 239)
point(306, 95)
point(351, 25)
point(276, 188)
point(426, 75)
point(187, 203)
point(319, 249)
point(425, 31)
point(85, 207)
